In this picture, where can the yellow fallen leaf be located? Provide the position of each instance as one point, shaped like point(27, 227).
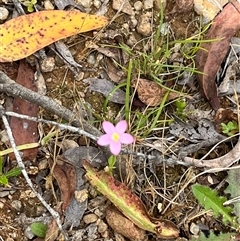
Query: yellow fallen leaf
point(24, 35)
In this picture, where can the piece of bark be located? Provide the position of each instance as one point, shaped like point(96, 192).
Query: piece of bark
point(25, 131)
point(211, 55)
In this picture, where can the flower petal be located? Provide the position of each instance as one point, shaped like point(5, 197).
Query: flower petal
point(126, 138)
point(104, 140)
point(115, 148)
point(108, 127)
point(121, 127)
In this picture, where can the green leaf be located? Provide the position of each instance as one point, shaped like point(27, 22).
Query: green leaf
point(233, 189)
point(213, 237)
point(128, 203)
point(209, 199)
point(16, 171)
point(39, 229)
point(3, 179)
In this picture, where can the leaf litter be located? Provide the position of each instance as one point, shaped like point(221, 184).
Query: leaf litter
point(73, 214)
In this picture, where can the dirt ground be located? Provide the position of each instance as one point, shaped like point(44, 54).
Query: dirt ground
point(156, 183)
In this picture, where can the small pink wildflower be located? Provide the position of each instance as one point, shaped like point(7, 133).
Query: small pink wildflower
point(115, 136)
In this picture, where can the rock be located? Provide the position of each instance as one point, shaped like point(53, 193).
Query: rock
point(138, 5)
point(3, 13)
point(97, 4)
point(91, 59)
point(144, 25)
point(148, 4)
point(86, 3)
point(123, 5)
point(48, 5)
point(102, 227)
point(48, 64)
point(43, 164)
point(90, 218)
point(16, 204)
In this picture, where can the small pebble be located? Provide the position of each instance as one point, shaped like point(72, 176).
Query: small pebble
point(138, 5)
point(91, 59)
point(102, 227)
point(48, 64)
point(16, 204)
point(123, 5)
point(144, 25)
point(97, 4)
point(148, 4)
point(3, 13)
point(194, 229)
point(43, 164)
point(28, 233)
point(90, 218)
point(131, 41)
point(98, 213)
point(48, 5)
point(133, 22)
point(86, 3)
point(81, 195)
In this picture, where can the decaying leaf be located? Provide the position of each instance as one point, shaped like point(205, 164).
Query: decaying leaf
point(128, 203)
point(24, 35)
point(150, 93)
point(65, 174)
point(106, 87)
point(118, 222)
point(211, 55)
point(25, 131)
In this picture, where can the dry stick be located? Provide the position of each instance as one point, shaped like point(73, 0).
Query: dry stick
point(82, 132)
point(54, 123)
point(24, 172)
point(223, 161)
point(13, 89)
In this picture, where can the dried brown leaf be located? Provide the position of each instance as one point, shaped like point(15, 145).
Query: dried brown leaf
point(211, 55)
point(25, 131)
point(150, 93)
point(65, 174)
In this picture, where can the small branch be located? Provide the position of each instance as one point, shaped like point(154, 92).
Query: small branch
point(63, 126)
point(13, 89)
point(24, 172)
point(220, 162)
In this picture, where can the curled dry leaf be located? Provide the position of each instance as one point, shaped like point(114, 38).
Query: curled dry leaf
point(65, 174)
point(118, 222)
point(150, 93)
point(211, 55)
point(24, 35)
point(129, 203)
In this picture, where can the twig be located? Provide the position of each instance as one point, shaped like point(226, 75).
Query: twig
point(24, 172)
point(158, 158)
point(13, 89)
point(54, 123)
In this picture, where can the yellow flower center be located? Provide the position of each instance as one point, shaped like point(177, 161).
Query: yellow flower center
point(115, 137)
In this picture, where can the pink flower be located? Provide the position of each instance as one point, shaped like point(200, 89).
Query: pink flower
point(115, 136)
